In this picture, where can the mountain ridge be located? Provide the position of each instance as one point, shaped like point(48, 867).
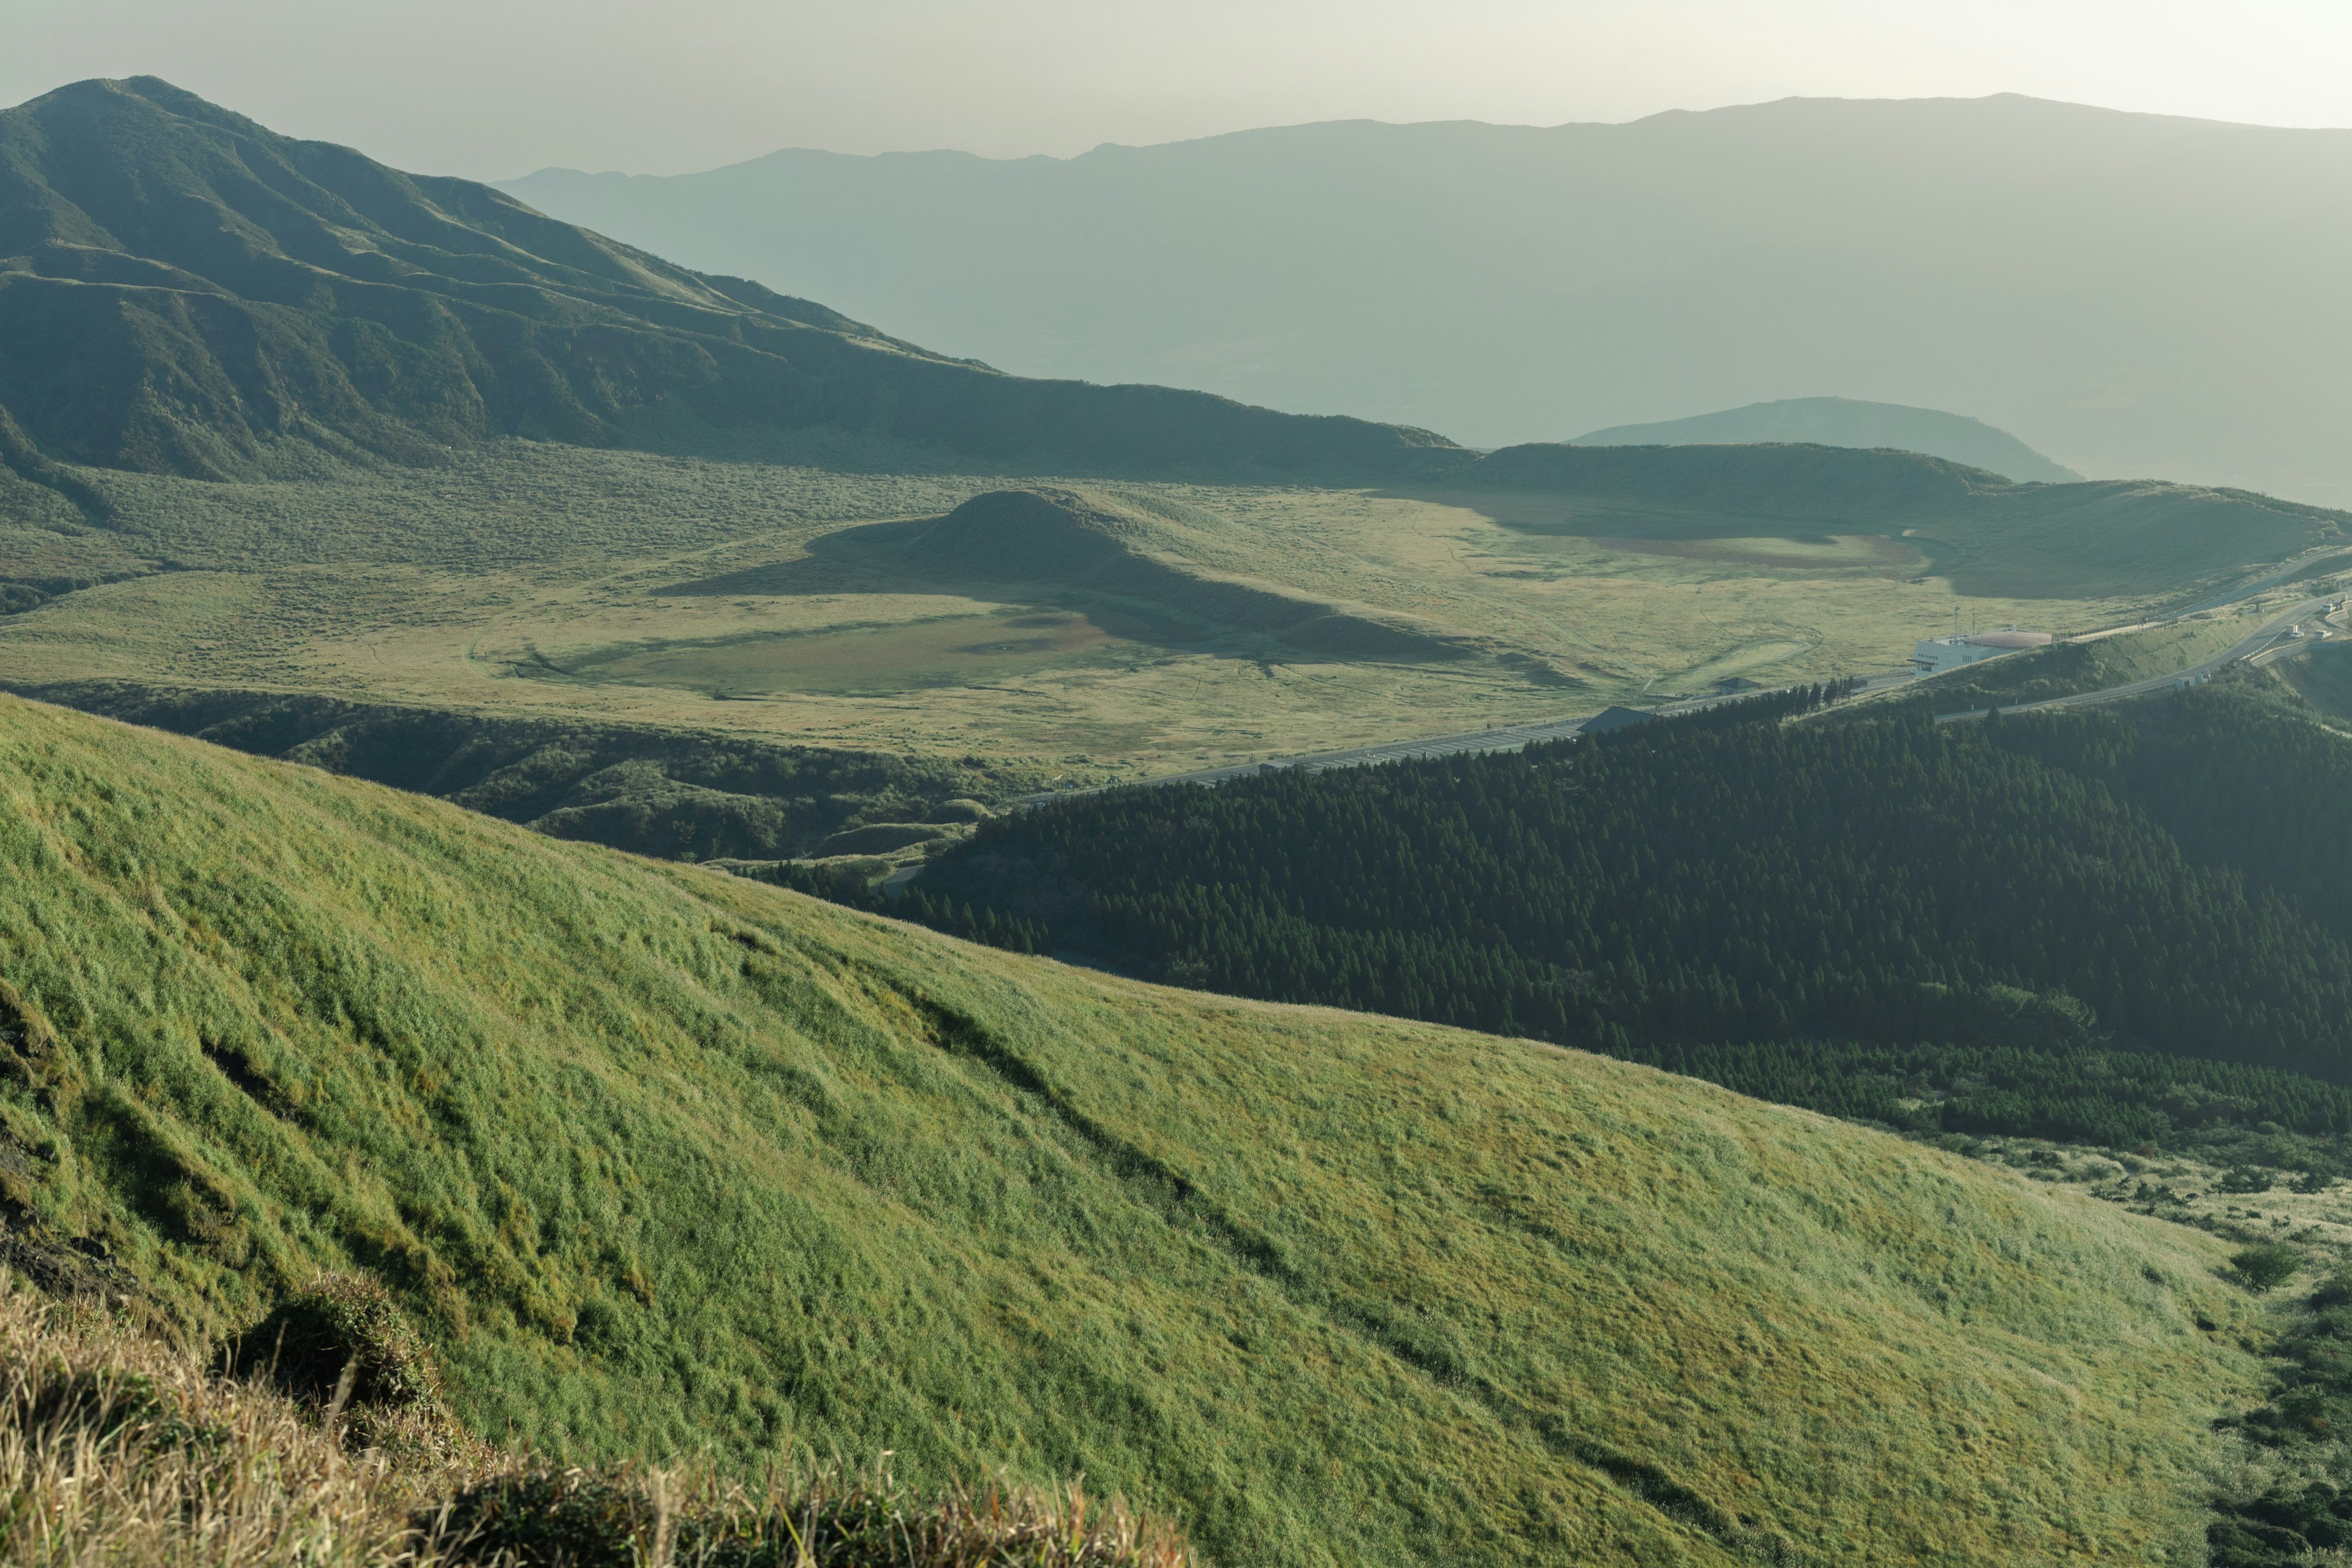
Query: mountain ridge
point(1788, 102)
point(1509, 284)
point(187, 292)
point(1848, 422)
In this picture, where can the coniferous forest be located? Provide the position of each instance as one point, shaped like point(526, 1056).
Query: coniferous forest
point(2118, 927)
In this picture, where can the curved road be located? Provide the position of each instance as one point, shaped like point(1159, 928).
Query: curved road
point(2271, 634)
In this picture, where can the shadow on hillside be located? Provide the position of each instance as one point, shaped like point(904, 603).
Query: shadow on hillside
point(1024, 552)
point(869, 557)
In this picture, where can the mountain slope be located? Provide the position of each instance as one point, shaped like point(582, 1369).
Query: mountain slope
point(2167, 879)
point(666, 1159)
point(2134, 294)
point(1847, 422)
point(1989, 536)
point(184, 291)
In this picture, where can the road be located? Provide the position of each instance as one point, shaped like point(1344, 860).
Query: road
point(2268, 638)
point(2270, 579)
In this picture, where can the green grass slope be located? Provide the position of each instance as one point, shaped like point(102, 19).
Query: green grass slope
point(669, 1161)
point(184, 291)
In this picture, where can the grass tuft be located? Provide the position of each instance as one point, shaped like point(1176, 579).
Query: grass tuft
point(118, 1448)
point(344, 1335)
point(827, 1519)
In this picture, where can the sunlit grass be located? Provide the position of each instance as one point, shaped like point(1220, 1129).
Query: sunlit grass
point(670, 1164)
point(463, 587)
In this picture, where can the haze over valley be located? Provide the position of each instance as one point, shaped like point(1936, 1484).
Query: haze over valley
point(2137, 296)
point(1364, 842)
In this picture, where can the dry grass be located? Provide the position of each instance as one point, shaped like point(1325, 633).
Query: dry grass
point(116, 1447)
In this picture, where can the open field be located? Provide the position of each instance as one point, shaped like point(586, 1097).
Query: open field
point(669, 1162)
point(538, 581)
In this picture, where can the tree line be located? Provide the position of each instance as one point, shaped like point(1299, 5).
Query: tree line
point(2053, 913)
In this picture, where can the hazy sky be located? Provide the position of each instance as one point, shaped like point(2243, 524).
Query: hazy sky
point(497, 88)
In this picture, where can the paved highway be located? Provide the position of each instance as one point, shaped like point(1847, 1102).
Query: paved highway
point(2270, 638)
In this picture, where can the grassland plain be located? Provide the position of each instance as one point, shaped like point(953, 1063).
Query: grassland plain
point(357, 356)
point(670, 1162)
point(537, 581)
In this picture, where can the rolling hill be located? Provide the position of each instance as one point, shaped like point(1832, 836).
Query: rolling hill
point(1848, 422)
point(182, 292)
point(2164, 880)
point(1115, 563)
point(668, 1161)
point(1990, 536)
point(2134, 294)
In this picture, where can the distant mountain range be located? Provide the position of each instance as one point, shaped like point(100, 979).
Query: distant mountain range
point(1845, 422)
point(184, 291)
point(2133, 294)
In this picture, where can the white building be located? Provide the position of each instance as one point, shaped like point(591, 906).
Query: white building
point(1937, 655)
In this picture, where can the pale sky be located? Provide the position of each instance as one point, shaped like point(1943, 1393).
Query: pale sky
point(493, 88)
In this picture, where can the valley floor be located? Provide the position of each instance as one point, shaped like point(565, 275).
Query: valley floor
point(534, 581)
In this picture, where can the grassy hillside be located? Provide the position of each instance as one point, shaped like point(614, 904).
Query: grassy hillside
point(120, 1446)
point(2137, 538)
point(659, 792)
point(2166, 878)
point(1118, 567)
point(667, 1161)
point(1849, 422)
point(242, 303)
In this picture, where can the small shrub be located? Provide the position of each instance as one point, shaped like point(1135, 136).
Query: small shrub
point(344, 1320)
point(2267, 1266)
point(569, 1517)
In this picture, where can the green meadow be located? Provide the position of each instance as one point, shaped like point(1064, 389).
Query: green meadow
point(667, 1162)
point(527, 580)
